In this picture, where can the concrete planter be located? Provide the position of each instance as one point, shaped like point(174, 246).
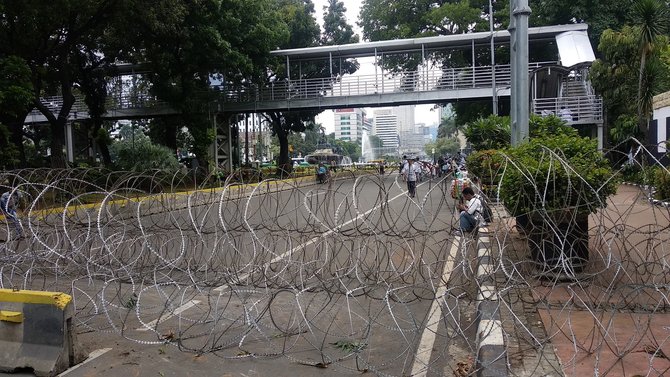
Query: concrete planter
point(559, 246)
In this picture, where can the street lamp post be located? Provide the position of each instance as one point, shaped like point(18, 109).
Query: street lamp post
point(493, 61)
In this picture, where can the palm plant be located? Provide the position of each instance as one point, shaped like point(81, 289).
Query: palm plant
point(651, 16)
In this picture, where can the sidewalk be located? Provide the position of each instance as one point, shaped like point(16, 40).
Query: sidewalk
point(615, 321)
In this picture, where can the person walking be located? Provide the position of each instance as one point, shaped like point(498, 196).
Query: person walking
point(411, 173)
point(8, 203)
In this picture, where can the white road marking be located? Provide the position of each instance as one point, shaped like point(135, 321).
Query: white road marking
point(487, 292)
point(91, 356)
point(490, 333)
point(425, 349)
point(484, 270)
point(177, 311)
point(313, 240)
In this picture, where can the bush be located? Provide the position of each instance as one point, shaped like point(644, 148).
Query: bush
point(662, 183)
point(487, 166)
point(489, 133)
point(639, 175)
point(143, 155)
point(556, 171)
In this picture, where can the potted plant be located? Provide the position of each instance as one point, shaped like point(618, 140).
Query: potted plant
point(554, 181)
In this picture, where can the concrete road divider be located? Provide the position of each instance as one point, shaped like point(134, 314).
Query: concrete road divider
point(36, 332)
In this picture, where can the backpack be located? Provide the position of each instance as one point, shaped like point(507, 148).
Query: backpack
point(487, 214)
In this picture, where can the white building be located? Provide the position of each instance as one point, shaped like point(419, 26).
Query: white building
point(405, 119)
point(385, 127)
point(350, 124)
point(659, 127)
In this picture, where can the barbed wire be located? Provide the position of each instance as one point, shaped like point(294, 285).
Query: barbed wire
point(339, 275)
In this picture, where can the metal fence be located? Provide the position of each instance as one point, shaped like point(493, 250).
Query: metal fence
point(576, 110)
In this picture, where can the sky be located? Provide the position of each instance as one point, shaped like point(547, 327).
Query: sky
point(423, 113)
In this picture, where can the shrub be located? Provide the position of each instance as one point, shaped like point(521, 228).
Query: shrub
point(556, 171)
point(489, 133)
point(143, 155)
point(662, 183)
point(487, 166)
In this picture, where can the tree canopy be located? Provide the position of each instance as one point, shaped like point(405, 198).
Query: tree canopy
point(383, 20)
point(71, 45)
point(305, 32)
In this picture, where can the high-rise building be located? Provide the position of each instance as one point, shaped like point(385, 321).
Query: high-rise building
point(350, 124)
point(386, 127)
point(405, 119)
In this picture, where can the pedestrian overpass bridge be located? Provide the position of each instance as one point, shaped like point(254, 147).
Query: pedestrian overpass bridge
point(554, 84)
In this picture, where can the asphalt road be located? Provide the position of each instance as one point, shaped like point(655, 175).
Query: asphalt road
point(299, 280)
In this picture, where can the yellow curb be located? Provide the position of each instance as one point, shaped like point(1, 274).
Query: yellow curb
point(41, 214)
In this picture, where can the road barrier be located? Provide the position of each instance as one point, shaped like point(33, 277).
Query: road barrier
point(36, 332)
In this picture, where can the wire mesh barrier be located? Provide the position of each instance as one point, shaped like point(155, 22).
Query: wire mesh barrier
point(352, 276)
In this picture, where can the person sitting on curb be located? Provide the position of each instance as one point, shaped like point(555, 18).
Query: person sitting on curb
point(471, 209)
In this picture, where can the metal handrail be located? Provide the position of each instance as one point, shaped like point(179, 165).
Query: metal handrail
point(417, 81)
point(587, 107)
point(117, 102)
point(581, 109)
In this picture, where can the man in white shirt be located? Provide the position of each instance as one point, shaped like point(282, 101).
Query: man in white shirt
point(471, 210)
point(411, 173)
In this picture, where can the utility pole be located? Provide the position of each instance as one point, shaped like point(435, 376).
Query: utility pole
point(246, 139)
point(493, 61)
point(513, 76)
point(520, 11)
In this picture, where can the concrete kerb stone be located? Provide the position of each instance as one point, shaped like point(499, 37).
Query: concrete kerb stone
point(491, 351)
point(37, 332)
point(491, 358)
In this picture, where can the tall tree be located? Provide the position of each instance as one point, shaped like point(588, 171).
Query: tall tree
point(51, 36)
point(600, 15)
point(448, 127)
point(228, 41)
point(305, 32)
point(614, 74)
point(15, 99)
point(651, 16)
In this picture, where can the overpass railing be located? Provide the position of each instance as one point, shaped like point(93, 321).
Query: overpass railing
point(585, 109)
point(80, 110)
point(358, 85)
point(581, 110)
